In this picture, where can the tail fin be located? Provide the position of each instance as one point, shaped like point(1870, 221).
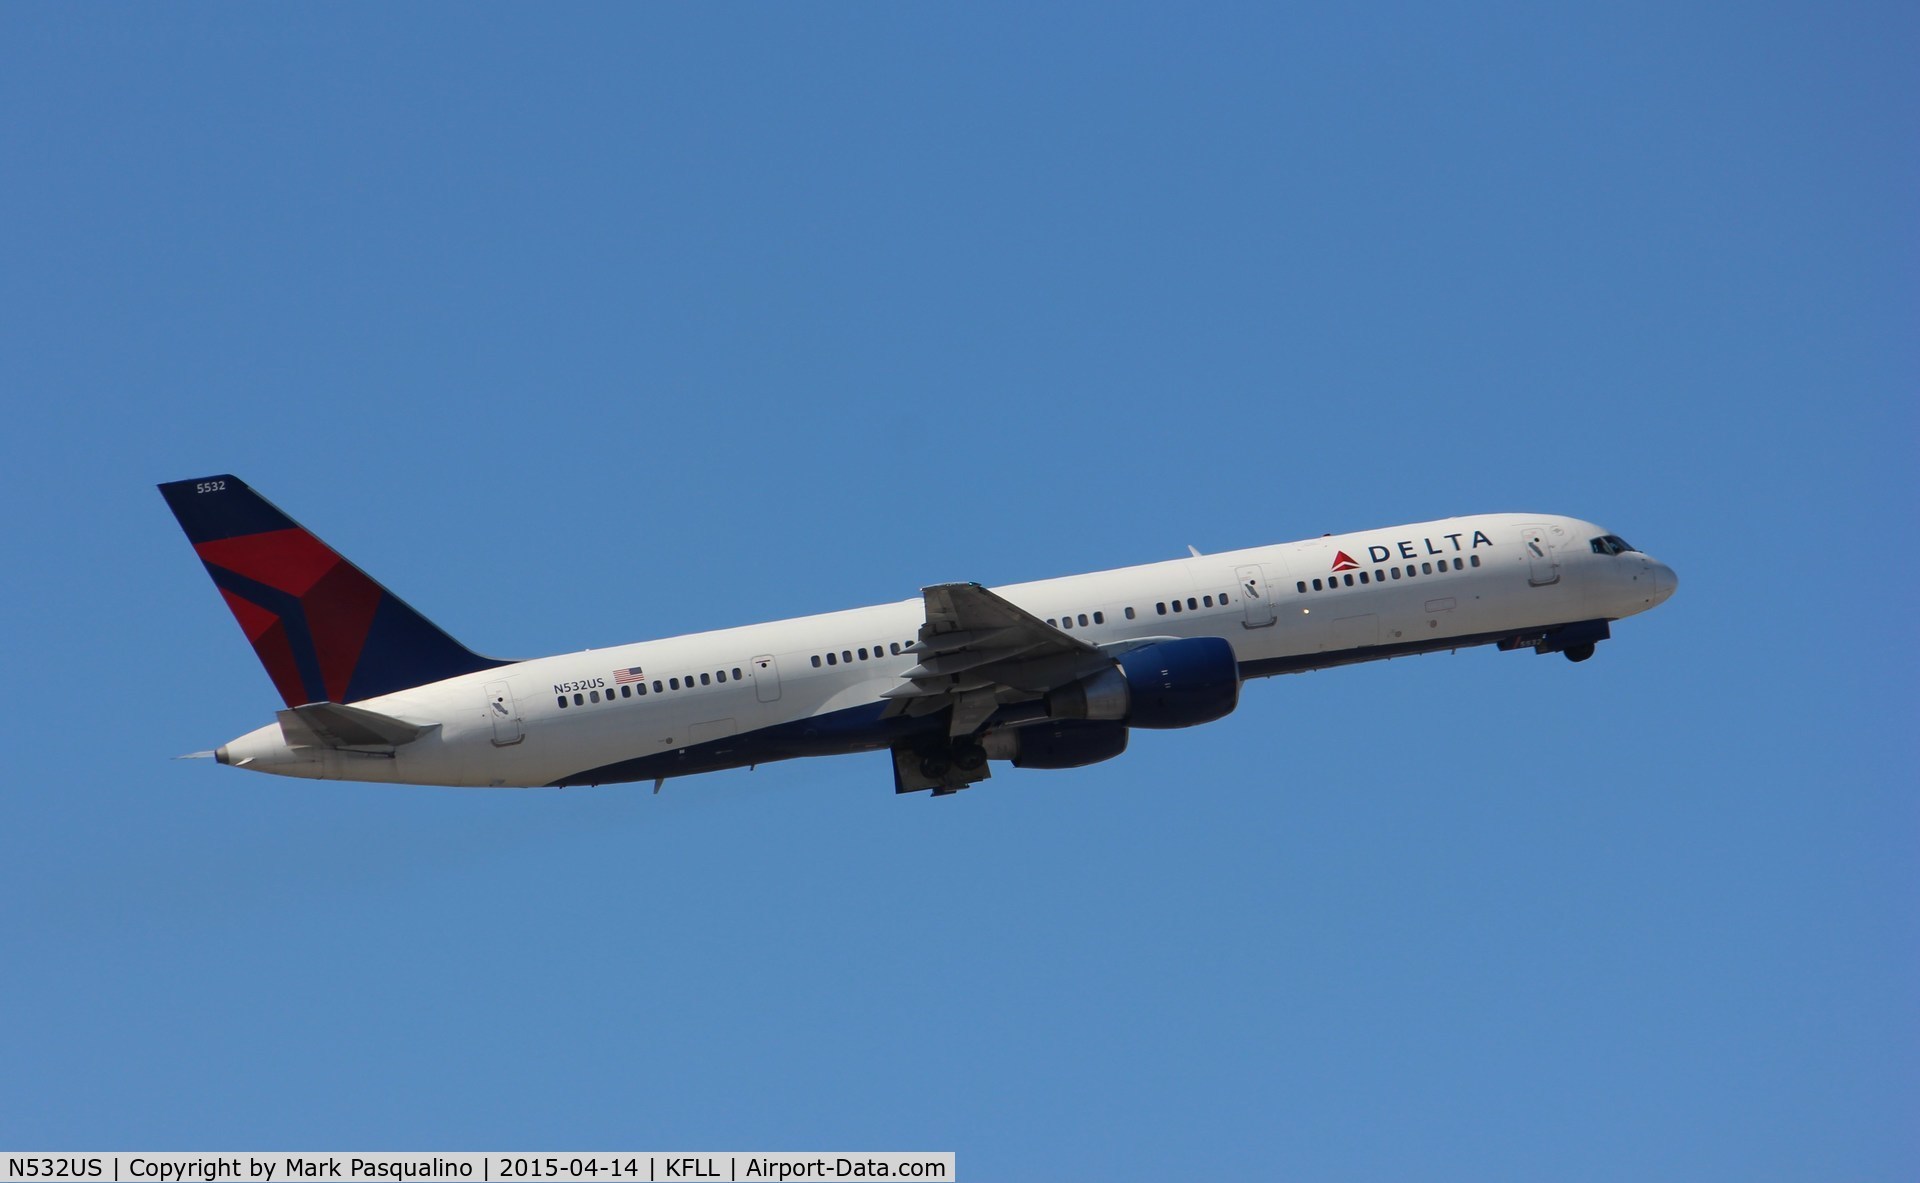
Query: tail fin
point(324, 630)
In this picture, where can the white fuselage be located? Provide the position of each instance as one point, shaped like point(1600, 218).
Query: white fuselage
point(768, 691)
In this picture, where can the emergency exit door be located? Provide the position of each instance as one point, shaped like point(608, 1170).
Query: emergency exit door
point(504, 716)
point(1542, 567)
point(1255, 597)
point(766, 678)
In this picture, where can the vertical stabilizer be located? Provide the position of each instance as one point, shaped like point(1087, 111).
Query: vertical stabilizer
point(323, 629)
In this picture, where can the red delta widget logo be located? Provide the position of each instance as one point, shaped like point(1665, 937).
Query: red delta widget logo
point(1406, 549)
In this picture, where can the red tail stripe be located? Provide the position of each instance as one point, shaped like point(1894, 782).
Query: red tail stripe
point(340, 612)
point(276, 653)
point(254, 620)
point(291, 561)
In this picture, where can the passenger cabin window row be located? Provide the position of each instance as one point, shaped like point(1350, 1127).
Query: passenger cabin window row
point(849, 656)
point(638, 687)
point(1192, 604)
point(1387, 574)
point(1067, 622)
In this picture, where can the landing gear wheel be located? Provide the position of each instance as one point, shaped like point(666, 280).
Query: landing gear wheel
point(935, 765)
point(969, 757)
point(1579, 652)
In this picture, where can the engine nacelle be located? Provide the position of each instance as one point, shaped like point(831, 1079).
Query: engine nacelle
point(1168, 684)
point(1057, 744)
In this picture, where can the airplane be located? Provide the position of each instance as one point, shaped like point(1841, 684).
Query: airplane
point(1044, 675)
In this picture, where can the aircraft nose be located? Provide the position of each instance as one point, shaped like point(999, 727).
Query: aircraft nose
point(1664, 582)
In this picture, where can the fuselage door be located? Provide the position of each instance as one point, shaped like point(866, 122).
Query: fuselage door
point(1255, 597)
point(766, 678)
point(503, 715)
point(1543, 568)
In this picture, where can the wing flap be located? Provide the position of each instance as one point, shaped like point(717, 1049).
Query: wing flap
point(978, 651)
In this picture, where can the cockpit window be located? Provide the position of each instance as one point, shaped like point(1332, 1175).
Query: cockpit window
point(1611, 544)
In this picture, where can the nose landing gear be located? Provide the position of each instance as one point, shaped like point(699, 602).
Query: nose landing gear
point(1575, 640)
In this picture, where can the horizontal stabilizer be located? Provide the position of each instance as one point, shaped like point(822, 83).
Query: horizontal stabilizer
point(331, 725)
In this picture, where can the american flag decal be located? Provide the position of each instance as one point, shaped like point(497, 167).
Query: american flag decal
point(631, 674)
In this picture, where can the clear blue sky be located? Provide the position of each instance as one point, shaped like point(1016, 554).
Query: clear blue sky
point(584, 326)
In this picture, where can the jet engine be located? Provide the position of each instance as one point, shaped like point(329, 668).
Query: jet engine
point(1057, 744)
point(1167, 684)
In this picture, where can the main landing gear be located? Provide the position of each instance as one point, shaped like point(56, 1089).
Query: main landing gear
point(943, 765)
point(966, 755)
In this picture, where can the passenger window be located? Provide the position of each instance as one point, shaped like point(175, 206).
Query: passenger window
point(1223, 599)
point(626, 692)
point(640, 689)
point(846, 655)
point(832, 660)
point(1316, 585)
point(863, 653)
point(1208, 601)
point(593, 696)
point(720, 675)
point(1099, 618)
point(1412, 570)
point(1191, 607)
point(706, 680)
point(674, 683)
point(1176, 605)
point(1349, 578)
point(1301, 586)
point(1474, 561)
point(1458, 565)
point(893, 647)
point(1083, 620)
point(579, 700)
point(562, 700)
point(1396, 571)
point(657, 688)
point(1426, 568)
point(736, 673)
point(816, 661)
point(1363, 577)
point(1160, 608)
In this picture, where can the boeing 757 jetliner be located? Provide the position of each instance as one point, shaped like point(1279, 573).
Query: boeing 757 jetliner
point(1053, 674)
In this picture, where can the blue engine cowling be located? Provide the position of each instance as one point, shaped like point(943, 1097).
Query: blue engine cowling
point(1181, 683)
point(1167, 684)
point(1058, 744)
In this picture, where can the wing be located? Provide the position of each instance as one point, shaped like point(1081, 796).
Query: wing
point(978, 651)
